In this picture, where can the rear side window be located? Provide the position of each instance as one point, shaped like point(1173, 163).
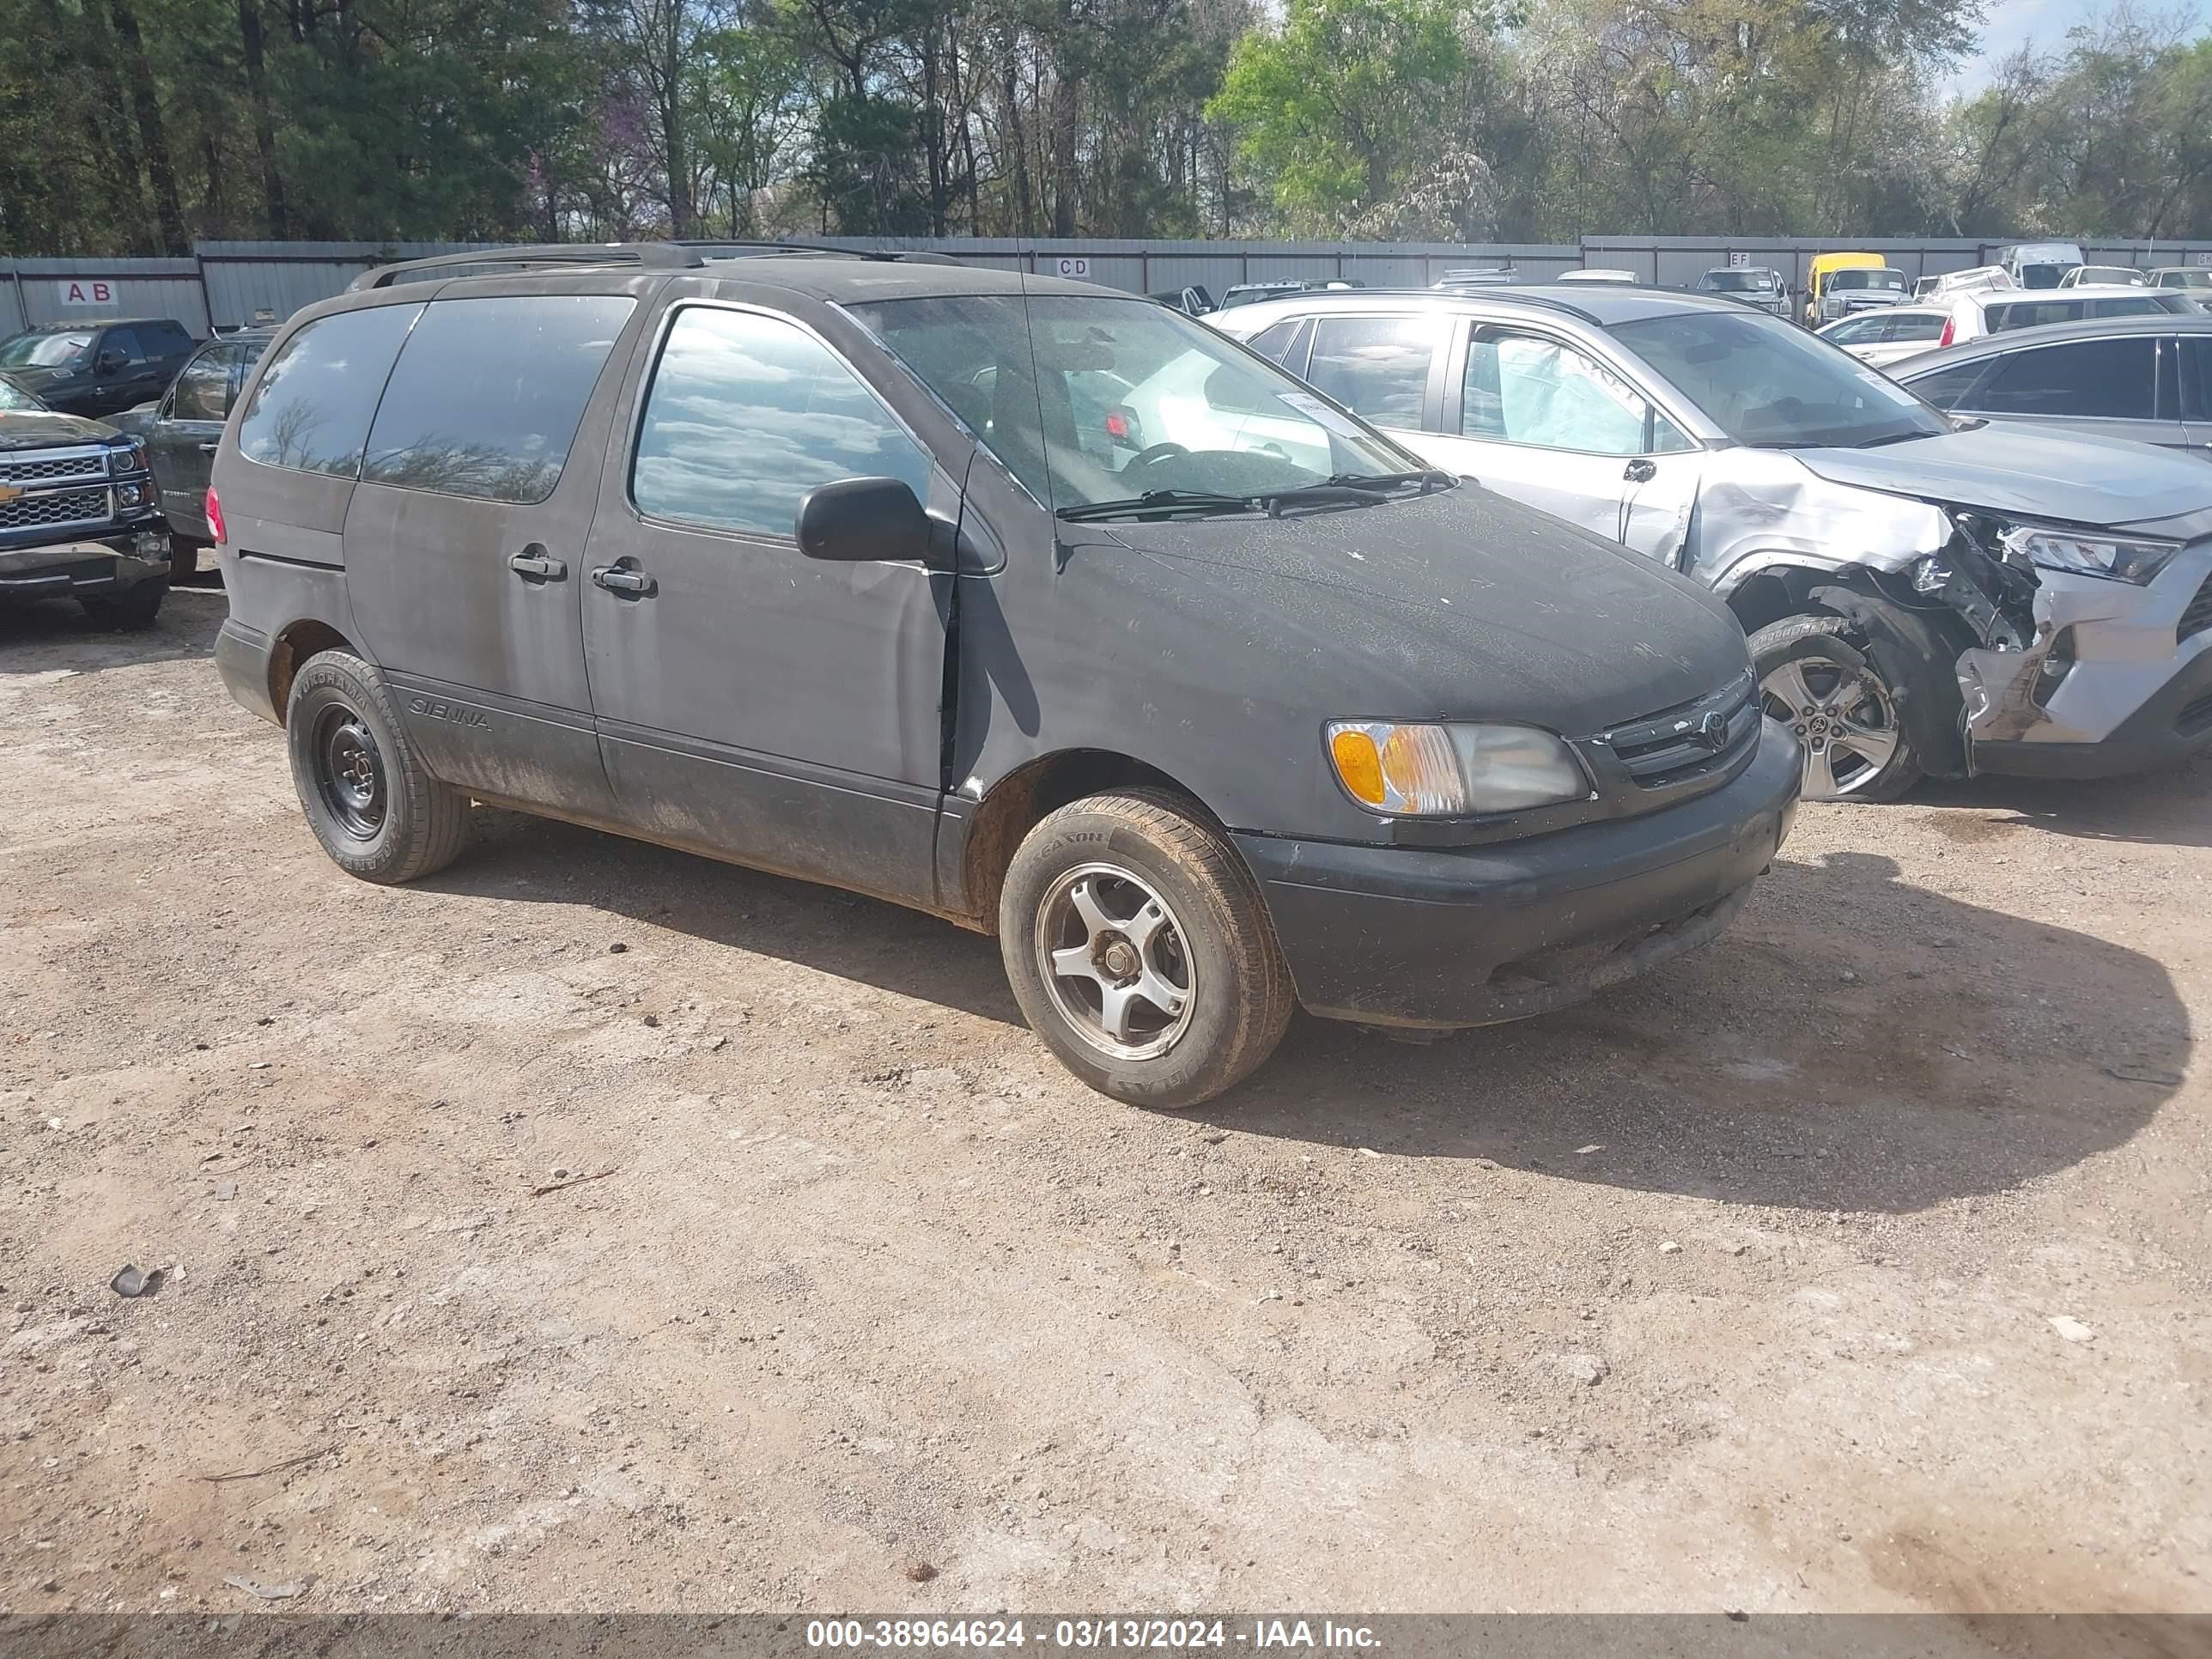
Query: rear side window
point(2115, 379)
point(311, 408)
point(2143, 305)
point(1903, 329)
point(749, 413)
point(486, 397)
point(2033, 313)
point(1279, 340)
point(1946, 388)
point(1378, 366)
point(204, 389)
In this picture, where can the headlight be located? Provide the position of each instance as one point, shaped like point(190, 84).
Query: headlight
point(127, 457)
point(1452, 771)
point(2124, 558)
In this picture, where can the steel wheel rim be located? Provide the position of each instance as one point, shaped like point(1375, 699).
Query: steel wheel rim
point(349, 772)
point(1845, 722)
point(1115, 962)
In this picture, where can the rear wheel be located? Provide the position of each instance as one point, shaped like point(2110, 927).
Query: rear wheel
point(1140, 949)
point(183, 557)
point(1846, 701)
point(377, 812)
point(132, 611)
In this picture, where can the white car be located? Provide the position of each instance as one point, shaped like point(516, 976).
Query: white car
point(1881, 337)
point(2111, 275)
point(1992, 311)
point(1596, 274)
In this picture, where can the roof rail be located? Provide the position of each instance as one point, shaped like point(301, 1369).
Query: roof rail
point(650, 256)
point(826, 250)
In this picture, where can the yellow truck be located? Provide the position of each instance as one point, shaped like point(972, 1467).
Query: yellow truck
point(1838, 284)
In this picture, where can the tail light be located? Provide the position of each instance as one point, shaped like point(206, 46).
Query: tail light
point(1950, 332)
point(214, 519)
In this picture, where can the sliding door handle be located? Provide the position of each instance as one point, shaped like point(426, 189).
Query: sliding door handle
point(533, 561)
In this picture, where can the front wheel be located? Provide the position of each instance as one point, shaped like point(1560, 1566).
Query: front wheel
point(1140, 950)
point(1845, 703)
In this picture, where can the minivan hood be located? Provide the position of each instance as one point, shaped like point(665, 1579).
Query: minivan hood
point(2075, 479)
point(33, 428)
point(1459, 604)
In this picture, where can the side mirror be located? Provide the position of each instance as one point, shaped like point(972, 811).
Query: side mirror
point(858, 520)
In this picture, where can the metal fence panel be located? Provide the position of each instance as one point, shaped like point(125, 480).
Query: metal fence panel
point(94, 290)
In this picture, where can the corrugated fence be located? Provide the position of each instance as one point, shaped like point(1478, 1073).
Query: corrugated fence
point(226, 285)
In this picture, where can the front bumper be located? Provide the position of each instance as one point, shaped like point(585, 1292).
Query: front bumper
point(2135, 695)
point(64, 570)
point(1444, 937)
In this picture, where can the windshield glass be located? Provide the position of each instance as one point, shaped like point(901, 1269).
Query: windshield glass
point(1766, 383)
point(2043, 276)
point(1089, 400)
point(1739, 281)
point(1892, 280)
point(14, 396)
point(43, 350)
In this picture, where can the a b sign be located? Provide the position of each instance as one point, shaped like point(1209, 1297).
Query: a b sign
point(83, 291)
point(1077, 267)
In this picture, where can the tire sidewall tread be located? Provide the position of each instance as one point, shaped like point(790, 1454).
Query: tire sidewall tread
point(1849, 642)
point(425, 820)
point(1225, 929)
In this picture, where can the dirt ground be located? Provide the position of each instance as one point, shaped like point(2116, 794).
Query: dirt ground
point(1860, 1261)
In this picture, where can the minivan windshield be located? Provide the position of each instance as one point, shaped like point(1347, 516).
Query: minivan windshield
point(1768, 383)
point(1096, 401)
point(44, 350)
point(1892, 281)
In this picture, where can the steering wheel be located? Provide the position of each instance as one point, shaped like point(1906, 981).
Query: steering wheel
point(1163, 451)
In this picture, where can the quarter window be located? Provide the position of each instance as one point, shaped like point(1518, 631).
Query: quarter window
point(486, 397)
point(312, 407)
point(749, 413)
point(1522, 389)
point(2115, 379)
point(1377, 366)
point(204, 389)
point(1946, 388)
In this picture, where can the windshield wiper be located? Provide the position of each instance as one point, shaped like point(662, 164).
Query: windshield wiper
point(1426, 476)
point(1895, 438)
point(1352, 489)
point(1160, 500)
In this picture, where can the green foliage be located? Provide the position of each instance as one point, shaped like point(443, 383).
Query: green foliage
point(133, 126)
point(1338, 108)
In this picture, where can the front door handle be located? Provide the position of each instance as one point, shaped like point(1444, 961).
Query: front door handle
point(533, 561)
point(615, 580)
point(209, 449)
point(1640, 471)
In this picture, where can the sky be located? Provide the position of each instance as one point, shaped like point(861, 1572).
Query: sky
point(2011, 24)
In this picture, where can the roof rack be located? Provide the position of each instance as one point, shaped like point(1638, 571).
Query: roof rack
point(647, 256)
point(650, 256)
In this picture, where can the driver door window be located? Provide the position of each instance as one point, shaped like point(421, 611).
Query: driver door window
point(1525, 389)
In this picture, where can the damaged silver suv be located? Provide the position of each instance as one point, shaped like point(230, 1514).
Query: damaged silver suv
point(1923, 593)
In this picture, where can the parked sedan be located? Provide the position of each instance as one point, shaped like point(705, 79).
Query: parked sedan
point(2143, 378)
point(181, 428)
point(1922, 594)
point(1881, 337)
point(2109, 276)
point(96, 369)
point(2195, 278)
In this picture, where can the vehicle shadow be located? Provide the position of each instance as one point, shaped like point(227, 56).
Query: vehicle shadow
point(2170, 808)
point(1855, 1043)
point(51, 634)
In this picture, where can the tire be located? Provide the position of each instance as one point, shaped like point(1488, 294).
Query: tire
point(1852, 693)
point(131, 611)
point(1141, 854)
point(183, 557)
point(378, 814)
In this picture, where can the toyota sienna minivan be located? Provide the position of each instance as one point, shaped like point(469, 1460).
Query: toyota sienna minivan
point(1041, 608)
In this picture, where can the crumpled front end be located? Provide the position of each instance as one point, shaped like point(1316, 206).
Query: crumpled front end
point(2060, 673)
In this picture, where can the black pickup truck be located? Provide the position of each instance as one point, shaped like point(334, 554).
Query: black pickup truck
point(78, 516)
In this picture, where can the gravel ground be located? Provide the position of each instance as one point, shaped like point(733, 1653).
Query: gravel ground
point(1857, 1262)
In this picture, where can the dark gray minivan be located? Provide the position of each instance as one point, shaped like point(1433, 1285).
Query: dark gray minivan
point(1039, 607)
